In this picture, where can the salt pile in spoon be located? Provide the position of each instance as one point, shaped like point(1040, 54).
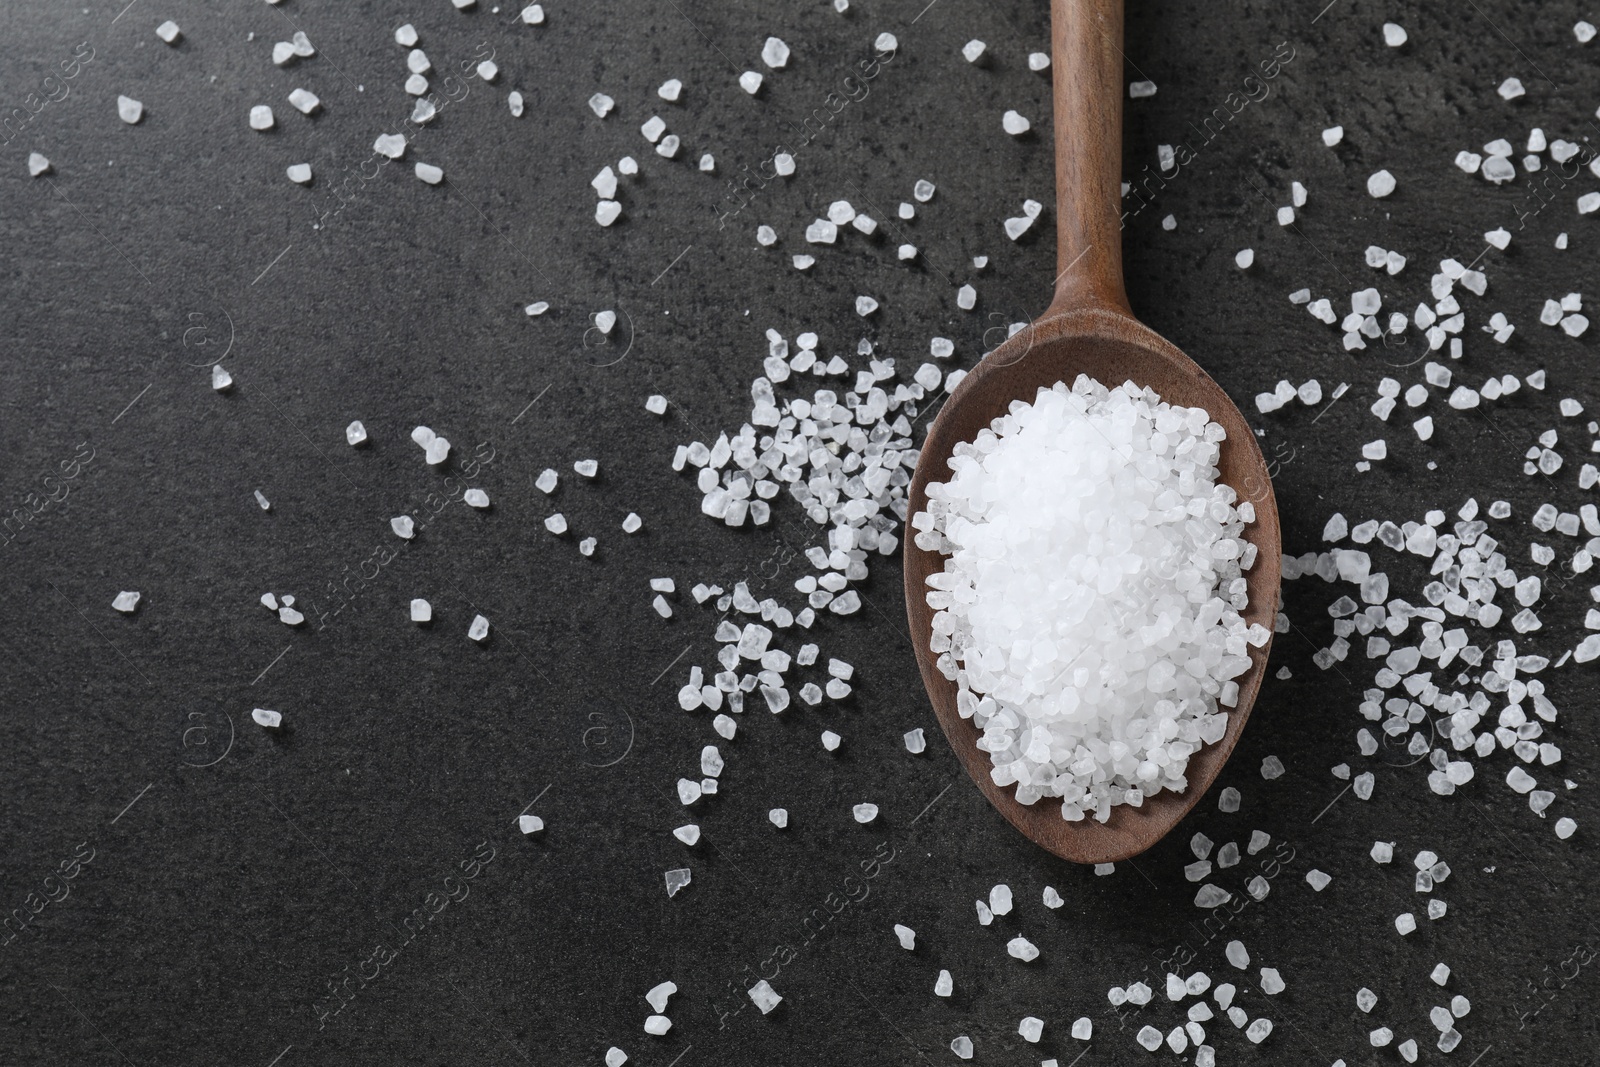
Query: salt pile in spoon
point(1089, 606)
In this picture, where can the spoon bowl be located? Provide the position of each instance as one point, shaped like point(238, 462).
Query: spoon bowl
point(1089, 329)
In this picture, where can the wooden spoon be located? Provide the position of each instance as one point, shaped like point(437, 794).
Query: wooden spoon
point(1090, 329)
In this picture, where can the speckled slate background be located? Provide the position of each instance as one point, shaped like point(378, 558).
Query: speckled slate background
point(226, 881)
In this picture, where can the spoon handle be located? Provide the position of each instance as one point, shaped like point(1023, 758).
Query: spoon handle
point(1087, 74)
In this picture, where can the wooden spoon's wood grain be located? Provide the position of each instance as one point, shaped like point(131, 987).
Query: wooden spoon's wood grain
point(1089, 329)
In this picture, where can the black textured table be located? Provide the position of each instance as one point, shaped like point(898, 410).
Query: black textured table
point(182, 886)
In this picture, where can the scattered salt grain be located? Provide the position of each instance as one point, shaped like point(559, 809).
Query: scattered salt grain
point(864, 813)
point(125, 601)
point(774, 53)
point(1381, 184)
point(750, 82)
point(906, 936)
point(421, 611)
point(530, 824)
point(1393, 35)
point(1022, 949)
point(266, 717)
point(764, 997)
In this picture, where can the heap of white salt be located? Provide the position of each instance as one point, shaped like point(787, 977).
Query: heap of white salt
point(1089, 606)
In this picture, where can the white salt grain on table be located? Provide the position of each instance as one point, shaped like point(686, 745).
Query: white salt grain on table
point(775, 53)
point(1015, 124)
point(764, 996)
point(1023, 949)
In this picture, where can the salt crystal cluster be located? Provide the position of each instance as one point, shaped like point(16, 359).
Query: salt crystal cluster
point(844, 456)
point(1494, 701)
point(1089, 606)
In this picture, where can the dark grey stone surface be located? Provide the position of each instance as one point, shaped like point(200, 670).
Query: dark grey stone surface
point(236, 878)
